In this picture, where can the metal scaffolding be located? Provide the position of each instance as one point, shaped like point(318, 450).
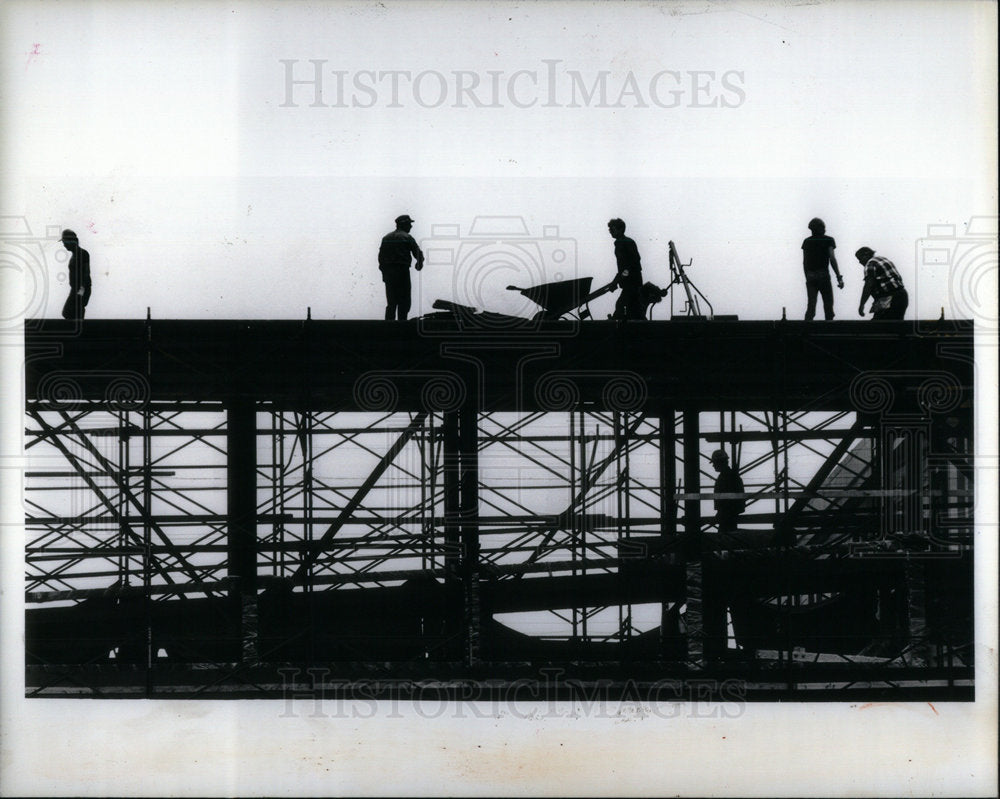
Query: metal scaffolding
point(188, 546)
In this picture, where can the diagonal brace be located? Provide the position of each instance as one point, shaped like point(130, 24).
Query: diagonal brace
point(310, 557)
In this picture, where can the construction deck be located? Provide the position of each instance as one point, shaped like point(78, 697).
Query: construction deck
point(473, 505)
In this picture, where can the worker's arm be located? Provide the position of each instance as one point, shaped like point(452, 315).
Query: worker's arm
point(84, 273)
point(865, 294)
point(836, 269)
point(417, 254)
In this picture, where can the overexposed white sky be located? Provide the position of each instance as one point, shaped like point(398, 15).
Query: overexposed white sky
point(167, 136)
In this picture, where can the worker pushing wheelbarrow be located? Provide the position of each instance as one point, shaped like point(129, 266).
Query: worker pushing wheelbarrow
point(564, 297)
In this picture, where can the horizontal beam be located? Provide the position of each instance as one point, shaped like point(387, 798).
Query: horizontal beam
point(368, 365)
point(822, 434)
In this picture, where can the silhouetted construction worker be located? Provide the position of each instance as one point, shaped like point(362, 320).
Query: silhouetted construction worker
point(727, 511)
point(883, 284)
point(817, 258)
point(394, 264)
point(629, 278)
point(79, 277)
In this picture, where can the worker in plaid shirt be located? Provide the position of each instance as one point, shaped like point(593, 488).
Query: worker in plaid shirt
point(883, 284)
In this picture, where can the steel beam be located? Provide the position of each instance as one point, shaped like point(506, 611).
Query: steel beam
point(241, 440)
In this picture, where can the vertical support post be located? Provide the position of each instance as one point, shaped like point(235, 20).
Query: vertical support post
point(784, 486)
point(134, 646)
point(241, 440)
point(427, 447)
point(624, 514)
point(620, 506)
point(579, 516)
point(668, 518)
point(937, 487)
point(904, 469)
point(451, 478)
point(278, 484)
point(124, 478)
point(919, 649)
point(581, 632)
point(147, 542)
point(425, 444)
point(694, 619)
point(147, 512)
point(469, 499)
point(574, 519)
point(304, 420)
point(692, 477)
point(789, 600)
point(877, 481)
point(904, 465)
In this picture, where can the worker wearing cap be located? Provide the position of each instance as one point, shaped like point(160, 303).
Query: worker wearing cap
point(79, 277)
point(727, 511)
point(394, 264)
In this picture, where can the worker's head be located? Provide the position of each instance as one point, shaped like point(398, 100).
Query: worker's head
point(817, 226)
point(69, 239)
point(616, 227)
point(404, 222)
point(864, 255)
point(720, 459)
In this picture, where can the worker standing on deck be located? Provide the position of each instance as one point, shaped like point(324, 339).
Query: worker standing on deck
point(883, 284)
point(79, 277)
point(817, 258)
point(629, 277)
point(727, 511)
point(394, 264)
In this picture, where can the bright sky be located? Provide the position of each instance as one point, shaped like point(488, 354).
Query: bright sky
point(204, 184)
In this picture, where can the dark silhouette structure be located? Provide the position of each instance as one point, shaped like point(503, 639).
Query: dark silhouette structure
point(883, 284)
point(727, 511)
point(79, 277)
point(630, 304)
point(362, 539)
point(817, 258)
point(394, 264)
